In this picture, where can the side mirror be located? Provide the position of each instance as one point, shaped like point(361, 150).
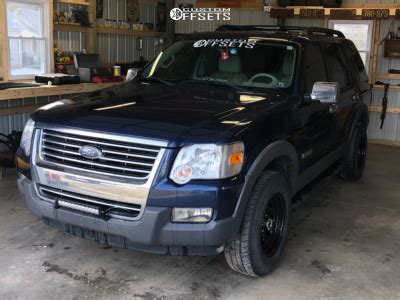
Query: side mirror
point(325, 92)
point(132, 73)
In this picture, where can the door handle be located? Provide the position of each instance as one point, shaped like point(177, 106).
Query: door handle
point(355, 97)
point(333, 108)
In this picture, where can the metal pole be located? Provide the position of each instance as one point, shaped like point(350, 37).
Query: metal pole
point(170, 24)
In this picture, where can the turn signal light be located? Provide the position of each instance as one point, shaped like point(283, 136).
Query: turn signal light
point(236, 158)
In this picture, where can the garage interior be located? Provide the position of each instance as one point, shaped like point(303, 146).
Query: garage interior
point(345, 237)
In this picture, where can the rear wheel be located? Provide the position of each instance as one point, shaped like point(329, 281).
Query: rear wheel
point(354, 164)
point(260, 243)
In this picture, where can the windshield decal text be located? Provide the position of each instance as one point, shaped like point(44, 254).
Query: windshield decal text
point(237, 43)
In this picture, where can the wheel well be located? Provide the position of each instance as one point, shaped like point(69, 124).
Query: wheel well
point(285, 166)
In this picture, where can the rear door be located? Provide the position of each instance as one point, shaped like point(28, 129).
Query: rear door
point(340, 70)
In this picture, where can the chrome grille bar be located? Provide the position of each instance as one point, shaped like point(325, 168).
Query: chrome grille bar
point(60, 136)
point(102, 158)
point(122, 157)
point(92, 163)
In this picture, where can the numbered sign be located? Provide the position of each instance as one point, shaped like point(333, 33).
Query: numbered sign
point(308, 13)
point(375, 13)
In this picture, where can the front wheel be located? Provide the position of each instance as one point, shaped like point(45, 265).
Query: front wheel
point(264, 231)
point(354, 163)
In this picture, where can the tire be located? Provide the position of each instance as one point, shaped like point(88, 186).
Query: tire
point(331, 3)
point(299, 2)
point(259, 245)
point(313, 2)
point(354, 163)
point(284, 3)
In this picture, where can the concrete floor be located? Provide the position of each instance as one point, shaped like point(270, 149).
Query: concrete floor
point(344, 243)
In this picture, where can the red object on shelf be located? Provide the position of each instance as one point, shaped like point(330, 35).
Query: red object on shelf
point(224, 55)
point(106, 79)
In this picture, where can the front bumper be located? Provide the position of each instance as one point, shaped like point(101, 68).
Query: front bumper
point(153, 232)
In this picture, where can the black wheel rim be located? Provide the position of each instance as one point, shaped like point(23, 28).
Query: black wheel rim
point(273, 224)
point(362, 152)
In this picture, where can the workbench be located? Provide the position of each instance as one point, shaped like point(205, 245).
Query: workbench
point(44, 91)
point(17, 101)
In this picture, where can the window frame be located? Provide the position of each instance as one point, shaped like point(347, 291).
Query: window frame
point(46, 37)
point(322, 52)
point(370, 24)
point(347, 68)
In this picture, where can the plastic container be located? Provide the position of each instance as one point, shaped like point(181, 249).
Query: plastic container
point(117, 71)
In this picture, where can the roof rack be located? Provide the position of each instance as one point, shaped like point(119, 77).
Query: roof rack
point(285, 29)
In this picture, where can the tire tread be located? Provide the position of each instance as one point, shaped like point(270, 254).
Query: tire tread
point(237, 252)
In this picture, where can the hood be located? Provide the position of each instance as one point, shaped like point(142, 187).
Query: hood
point(177, 114)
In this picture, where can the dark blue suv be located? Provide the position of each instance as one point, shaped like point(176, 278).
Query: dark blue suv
point(203, 151)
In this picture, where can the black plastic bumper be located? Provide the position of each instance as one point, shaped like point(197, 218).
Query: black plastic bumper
point(152, 233)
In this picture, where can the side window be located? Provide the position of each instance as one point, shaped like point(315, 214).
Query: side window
point(355, 59)
point(336, 65)
point(314, 67)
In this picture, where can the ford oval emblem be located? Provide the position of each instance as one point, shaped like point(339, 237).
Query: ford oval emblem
point(90, 152)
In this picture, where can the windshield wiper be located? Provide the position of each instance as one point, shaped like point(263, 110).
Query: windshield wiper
point(214, 82)
point(155, 79)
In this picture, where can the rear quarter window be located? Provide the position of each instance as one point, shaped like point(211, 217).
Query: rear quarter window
point(354, 58)
point(337, 66)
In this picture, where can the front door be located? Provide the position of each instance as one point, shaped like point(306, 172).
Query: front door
point(313, 123)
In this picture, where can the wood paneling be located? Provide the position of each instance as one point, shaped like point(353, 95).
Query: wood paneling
point(3, 42)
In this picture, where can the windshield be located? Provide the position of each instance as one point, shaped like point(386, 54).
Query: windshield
point(244, 64)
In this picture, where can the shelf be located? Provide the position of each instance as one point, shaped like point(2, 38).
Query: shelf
point(369, 5)
point(19, 109)
point(387, 76)
point(376, 12)
point(46, 90)
point(77, 2)
point(70, 27)
point(378, 108)
point(379, 87)
point(118, 31)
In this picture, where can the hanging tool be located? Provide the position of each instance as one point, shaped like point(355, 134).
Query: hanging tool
point(384, 104)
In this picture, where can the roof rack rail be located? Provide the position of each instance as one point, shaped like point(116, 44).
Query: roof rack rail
point(286, 29)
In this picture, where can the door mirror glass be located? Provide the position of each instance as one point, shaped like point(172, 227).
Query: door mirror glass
point(132, 73)
point(325, 92)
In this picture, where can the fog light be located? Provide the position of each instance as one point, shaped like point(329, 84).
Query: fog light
point(191, 215)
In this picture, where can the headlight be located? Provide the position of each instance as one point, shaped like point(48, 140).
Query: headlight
point(207, 161)
point(26, 138)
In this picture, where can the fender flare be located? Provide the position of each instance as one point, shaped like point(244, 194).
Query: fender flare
point(362, 111)
point(266, 156)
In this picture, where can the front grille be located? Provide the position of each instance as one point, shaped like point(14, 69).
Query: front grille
point(101, 208)
point(120, 158)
